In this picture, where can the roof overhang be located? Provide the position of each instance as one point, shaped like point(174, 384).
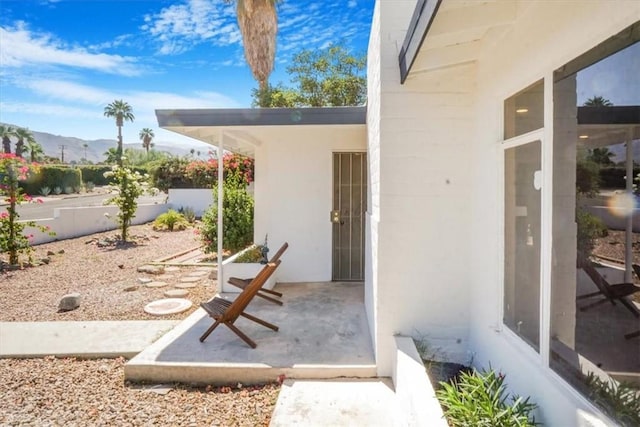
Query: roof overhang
point(241, 127)
point(602, 126)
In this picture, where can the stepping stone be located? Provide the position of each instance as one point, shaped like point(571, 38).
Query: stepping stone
point(190, 279)
point(144, 280)
point(167, 306)
point(205, 269)
point(186, 285)
point(198, 274)
point(156, 284)
point(176, 293)
point(172, 269)
point(165, 277)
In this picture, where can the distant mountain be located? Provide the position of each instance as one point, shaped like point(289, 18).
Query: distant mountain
point(74, 147)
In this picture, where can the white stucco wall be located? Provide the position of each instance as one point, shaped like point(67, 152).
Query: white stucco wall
point(293, 194)
point(421, 284)
point(545, 36)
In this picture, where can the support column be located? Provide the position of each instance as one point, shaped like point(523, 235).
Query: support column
point(628, 236)
point(220, 206)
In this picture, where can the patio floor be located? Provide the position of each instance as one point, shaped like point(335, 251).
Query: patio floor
point(323, 334)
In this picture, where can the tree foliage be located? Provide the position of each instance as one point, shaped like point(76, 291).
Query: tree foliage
point(329, 77)
point(121, 111)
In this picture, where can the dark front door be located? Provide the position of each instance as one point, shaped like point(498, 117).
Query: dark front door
point(349, 207)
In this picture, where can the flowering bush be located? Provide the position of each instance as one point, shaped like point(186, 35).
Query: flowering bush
point(128, 186)
point(204, 174)
point(13, 241)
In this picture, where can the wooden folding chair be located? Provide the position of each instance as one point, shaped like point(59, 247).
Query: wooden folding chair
point(612, 293)
point(242, 283)
point(227, 312)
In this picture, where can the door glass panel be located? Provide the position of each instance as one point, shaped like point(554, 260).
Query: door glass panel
point(524, 111)
point(523, 178)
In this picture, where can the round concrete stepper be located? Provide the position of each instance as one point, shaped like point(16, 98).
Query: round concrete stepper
point(144, 280)
point(176, 293)
point(190, 279)
point(167, 306)
point(186, 285)
point(156, 284)
point(172, 269)
point(209, 269)
point(201, 273)
point(165, 277)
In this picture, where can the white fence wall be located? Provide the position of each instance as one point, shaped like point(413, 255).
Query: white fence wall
point(81, 221)
point(198, 199)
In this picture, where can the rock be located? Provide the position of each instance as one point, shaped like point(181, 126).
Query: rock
point(87, 242)
point(186, 285)
point(198, 274)
point(61, 251)
point(46, 260)
point(167, 306)
point(144, 280)
point(102, 243)
point(131, 288)
point(121, 266)
point(69, 302)
point(165, 277)
point(50, 253)
point(151, 269)
point(190, 279)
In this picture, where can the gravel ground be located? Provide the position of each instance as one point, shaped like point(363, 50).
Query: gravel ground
point(70, 392)
point(612, 246)
point(100, 275)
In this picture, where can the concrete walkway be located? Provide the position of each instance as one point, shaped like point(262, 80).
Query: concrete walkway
point(93, 340)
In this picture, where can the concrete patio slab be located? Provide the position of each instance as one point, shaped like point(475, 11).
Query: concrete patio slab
point(95, 339)
point(346, 402)
point(323, 334)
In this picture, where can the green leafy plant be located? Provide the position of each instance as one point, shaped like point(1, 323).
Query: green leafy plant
point(254, 254)
point(13, 241)
point(188, 214)
point(68, 190)
point(589, 227)
point(89, 186)
point(480, 399)
point(170, 220)
point(45, 191)
point(128, 186)
point(57, 190)
point(237, 217)
point(620, 400)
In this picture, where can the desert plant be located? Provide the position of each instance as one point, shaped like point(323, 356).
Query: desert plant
point(12, 239)
point(69, 190)
point(480, 399)
point(129, 185)
point(237, 217)
point(188, 214)
point(254, 254)
point(45, 191)
point(619, 400)
point(89, 186)
point(57, 190)
point(170, 220)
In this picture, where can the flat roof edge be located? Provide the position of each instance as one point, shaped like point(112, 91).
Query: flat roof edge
point(262, 116)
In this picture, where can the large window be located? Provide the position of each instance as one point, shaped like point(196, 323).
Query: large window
point(570, 291)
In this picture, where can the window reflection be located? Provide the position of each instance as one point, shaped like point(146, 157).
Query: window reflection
point(595, 307)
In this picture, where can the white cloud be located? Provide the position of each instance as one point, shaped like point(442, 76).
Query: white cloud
point(352, 4)
point(178, 27)
point(21, 47)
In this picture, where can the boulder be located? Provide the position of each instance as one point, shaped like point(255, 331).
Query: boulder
point(151, 269)
point(69, 302)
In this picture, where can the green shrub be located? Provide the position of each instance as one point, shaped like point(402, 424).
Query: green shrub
point(57, 190)
point(252, 255)
point(237, 217)
point(481, 399)
point(170, 220)
point(52, 176)
point(188, 213)
point(590, 227)
point(171, 173)
point(620, 400)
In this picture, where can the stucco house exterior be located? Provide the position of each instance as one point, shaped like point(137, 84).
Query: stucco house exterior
point(461, 190)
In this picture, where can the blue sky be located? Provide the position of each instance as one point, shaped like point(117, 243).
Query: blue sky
point(63, 61)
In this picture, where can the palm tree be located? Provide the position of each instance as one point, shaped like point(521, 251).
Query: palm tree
point(598, 101)
point(112, 156)
point(122, 112)
point(85, 146)
point(6, 133)
point(35, 150)
point(146, 135)
point(258, 22)
point(23, 135)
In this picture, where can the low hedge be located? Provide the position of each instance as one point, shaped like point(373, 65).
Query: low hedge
point(64, 177)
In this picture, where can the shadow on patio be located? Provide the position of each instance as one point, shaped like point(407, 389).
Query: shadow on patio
point(323, 334)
